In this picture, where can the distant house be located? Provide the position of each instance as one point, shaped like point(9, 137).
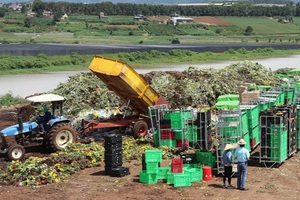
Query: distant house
point(140, 17)
point(102, 15)
point(47, 14)
point(64, 17)
point(179, 20)
point(285, 21)
point(31, 14)
point(15, 6)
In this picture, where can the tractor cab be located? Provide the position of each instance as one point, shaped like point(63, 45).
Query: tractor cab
point(49, 116)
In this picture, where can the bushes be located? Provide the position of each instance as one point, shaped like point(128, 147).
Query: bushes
point(154, 54)
point(41, 61)
point(8, 99)
point(175, 41)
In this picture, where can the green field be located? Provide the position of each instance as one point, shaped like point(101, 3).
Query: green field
point(263, 26)
point(89, 29)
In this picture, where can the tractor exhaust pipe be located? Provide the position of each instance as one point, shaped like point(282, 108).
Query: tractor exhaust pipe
point(20, 122)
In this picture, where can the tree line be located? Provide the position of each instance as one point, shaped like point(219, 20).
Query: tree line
point(241, 9)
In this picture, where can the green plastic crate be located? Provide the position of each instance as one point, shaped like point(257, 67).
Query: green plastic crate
point(182, 180)
point(170, 177)
point(263, 105)
point(152, 155)
point(163, 172)
point(278, 143)
point(247, 140)
point(168, 143)
point(191, 165)
point(255, 133)
point(206, 158)
point(192, 134)
point(181, 115)
point(252, 114)
point(289, 94)
point(148, 178)
point(152, 167)
point(179, 135)
point(245, 126)
point(230, 131)
point(156, 138)
point(196, 174)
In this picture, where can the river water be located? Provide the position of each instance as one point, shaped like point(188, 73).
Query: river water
point(28, 84)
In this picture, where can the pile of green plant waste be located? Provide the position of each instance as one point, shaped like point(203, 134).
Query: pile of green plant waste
point(59, 166)
point(87, 97)
point(37, 171)
point(192, 87)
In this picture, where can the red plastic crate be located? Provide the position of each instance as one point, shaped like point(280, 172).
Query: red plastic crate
point(177, 165)
point(167, 135)
point(252, 142)
point(182, 144)
point(165, 126)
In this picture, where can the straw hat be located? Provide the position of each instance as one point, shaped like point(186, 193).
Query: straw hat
point(242, 142)
point(227, 147)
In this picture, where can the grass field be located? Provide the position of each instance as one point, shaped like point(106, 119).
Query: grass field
point(85, 29)
point(263, 25)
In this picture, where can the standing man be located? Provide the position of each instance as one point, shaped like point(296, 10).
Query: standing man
point(242, 155)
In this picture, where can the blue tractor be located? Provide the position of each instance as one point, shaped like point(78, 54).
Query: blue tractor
point(50, 130)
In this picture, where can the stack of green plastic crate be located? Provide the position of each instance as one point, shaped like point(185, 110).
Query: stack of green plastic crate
point(278, 143)
point(206, 158)
point(289, 93)
point(192, 135)
point(232, 133)
point(156, 138)
point(265, 103)
point(153, 173)
point(179, 119)
point(247, 140)
point(253, 121)
point(278, 95)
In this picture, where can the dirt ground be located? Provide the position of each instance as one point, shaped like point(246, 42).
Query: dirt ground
point(278, 182)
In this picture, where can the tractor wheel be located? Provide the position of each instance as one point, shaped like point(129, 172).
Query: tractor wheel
point(16, 152)
point(140, 129)
point(60, 136)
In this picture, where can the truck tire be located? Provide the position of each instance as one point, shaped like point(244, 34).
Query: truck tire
point(140, 129)
point(60, 136)
point(16, 152)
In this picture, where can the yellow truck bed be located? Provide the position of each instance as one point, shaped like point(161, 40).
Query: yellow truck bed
point(126, 83)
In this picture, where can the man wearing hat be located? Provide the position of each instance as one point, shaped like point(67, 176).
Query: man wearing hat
point(242, 155)
point(227, 163)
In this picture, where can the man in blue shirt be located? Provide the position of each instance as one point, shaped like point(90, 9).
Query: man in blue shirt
point(242, 155)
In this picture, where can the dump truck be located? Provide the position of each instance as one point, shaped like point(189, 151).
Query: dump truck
point(132, 88)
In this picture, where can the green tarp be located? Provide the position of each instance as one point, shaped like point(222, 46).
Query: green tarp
point(229, 97)
point(259, 87)
point(227, 104)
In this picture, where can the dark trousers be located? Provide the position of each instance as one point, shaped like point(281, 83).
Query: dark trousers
point(227, 174)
